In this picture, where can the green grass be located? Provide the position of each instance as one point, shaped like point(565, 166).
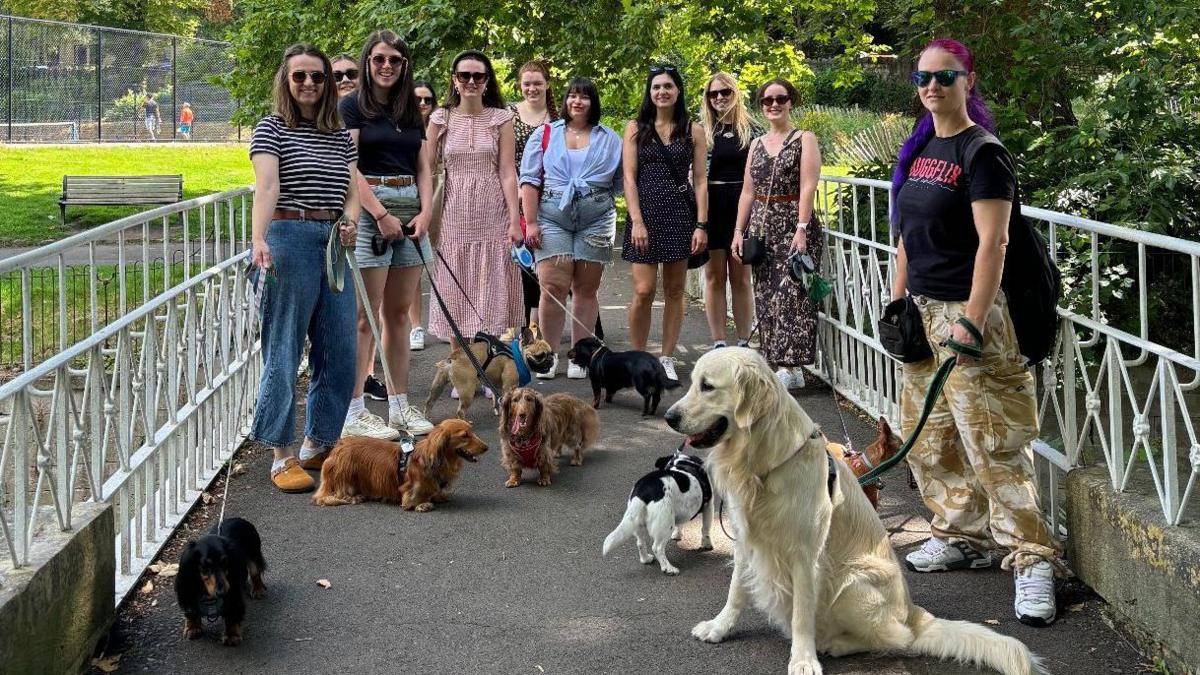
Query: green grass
point(31, 181)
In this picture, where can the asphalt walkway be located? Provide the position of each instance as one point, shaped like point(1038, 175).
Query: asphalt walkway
point(512, 581)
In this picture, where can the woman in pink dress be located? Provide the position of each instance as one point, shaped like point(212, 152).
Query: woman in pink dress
point(480, 222)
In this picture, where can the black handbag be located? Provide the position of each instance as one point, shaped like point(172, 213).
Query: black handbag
point(902, 333)
point(754, 246)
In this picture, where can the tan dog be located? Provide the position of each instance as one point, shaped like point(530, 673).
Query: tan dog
point(809, 551)
point(884, 447)
point(502, 370)
point(535, 429)
point(361, 468)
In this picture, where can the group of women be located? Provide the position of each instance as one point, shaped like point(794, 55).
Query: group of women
point(361, 169)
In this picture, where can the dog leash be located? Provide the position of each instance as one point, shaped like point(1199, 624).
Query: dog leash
point(529, 273)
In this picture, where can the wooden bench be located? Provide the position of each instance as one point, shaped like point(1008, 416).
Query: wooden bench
point(118, 191)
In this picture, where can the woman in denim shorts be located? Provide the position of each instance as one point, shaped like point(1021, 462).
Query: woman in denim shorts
point(304, 165)
point(572, 224)
point(385, 122)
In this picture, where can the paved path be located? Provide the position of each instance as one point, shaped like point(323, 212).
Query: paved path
point(512, 581)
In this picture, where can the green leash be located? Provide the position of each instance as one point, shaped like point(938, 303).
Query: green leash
point(931, 397)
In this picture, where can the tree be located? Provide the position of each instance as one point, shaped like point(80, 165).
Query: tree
point(178, 17)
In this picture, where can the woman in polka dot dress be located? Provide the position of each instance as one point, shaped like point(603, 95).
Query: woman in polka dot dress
point(667, 215)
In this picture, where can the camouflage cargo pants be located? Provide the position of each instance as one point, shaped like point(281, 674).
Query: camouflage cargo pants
point(972, 463)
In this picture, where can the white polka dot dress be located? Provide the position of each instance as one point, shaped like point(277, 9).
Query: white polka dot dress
point(667, 212)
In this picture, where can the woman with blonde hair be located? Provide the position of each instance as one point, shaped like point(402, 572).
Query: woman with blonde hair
point(730, 131)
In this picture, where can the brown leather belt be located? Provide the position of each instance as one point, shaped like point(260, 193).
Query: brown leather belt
point(390, 181)
point(777, 198)
point(301, 214)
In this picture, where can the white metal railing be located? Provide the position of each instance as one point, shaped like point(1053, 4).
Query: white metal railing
point(1106, 395)
point(142, 412)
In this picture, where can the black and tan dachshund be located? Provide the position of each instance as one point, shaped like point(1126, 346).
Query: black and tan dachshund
point(611, 371)
point(212, 578)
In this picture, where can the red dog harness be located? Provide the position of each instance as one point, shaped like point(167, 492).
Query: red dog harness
point(527, 450)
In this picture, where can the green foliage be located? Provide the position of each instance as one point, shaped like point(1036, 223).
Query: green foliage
point(179, 17)
point(874, 91)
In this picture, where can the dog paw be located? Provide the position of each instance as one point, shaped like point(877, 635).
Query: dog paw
point(645, 560)
point(576, 462)
point(709, 631)
point(512, 482)
point(676, 535)
point(232, 639)
point(544, 482)
point(192, 632)
point(258, 593)
point(424, 508)
point(705, 544)
point(801, 666)
point(670, 570)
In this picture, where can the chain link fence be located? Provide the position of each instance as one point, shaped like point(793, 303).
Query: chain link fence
point(62, 82)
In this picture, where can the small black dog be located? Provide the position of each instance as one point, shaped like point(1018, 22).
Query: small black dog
point(612, 371)
point(212, 577)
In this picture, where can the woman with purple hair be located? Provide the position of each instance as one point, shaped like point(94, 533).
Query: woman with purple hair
point(955, 192)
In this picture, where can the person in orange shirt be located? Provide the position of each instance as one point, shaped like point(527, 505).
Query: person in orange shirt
point(185, 121)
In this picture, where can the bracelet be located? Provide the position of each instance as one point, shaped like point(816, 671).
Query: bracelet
point(702, 225)
point(379, 218)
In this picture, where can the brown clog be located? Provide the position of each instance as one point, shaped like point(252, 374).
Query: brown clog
point(292, 478)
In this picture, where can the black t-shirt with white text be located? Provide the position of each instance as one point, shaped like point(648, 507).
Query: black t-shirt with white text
point(936, 222)
point(383, 149)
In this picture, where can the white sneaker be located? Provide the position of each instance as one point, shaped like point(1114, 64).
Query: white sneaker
point(409, 419)
point(1034, 586)
point(784, 375)
point(936, 555)
point(370, 425)
point(576, 371)
point(549, 374)
point(416, 339)
point(668, 363)
point(798, 378)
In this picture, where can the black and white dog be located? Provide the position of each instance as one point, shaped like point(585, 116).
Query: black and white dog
point(661, 501)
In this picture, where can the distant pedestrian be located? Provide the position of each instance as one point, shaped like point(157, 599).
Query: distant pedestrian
point(186, 119)
point(304, 162)
point(151, 116)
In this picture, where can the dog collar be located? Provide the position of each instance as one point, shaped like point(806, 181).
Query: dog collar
point(596, 355)
point(523, 375)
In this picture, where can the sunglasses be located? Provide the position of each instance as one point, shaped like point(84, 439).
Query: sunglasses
point(425, 100)
point(347, 74)
point(775, 100)
point(659, 70)
point(946, 78)
point(464, 77)
point(299, 76)
point(714, 94)
point(379, 59)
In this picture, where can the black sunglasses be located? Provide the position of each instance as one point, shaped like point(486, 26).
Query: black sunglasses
point(664, 68)
point(425, 100)
point(299, 76)
point(774, 100)
point(380, 59)
point(946, 78)
point(347, 74)
point(714, 94)
point(464, 77)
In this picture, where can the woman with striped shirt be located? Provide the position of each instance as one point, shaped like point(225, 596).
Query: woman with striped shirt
point(303, 165)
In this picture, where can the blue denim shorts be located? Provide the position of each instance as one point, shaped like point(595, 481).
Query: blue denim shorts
point(585, 230)
point(402, 252)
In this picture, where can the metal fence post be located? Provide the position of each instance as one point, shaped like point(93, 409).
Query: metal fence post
point(99, 85)
point(10, 76)
point(174, 70)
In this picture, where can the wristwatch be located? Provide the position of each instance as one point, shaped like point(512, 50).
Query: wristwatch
point(702, 225)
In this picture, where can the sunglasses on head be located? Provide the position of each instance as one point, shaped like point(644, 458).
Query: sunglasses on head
point(299, 76)
point(347, 74)
point(425, 100)
point(775, 100)
point(714, 94)
point(379, 59)
point(464, 77)
point(664, 68)
point(946, 78)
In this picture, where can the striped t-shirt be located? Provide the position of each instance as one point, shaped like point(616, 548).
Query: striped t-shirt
point(314, 167)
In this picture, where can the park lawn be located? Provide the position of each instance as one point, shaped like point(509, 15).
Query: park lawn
point(31, 181)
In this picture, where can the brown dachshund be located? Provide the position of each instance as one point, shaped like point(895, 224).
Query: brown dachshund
point(534, 429)
point(360, 468)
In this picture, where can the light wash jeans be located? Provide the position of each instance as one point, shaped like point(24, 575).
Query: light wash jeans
point(296, 302)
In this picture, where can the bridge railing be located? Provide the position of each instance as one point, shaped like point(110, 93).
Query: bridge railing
point(144, 410)
point(1123, 396)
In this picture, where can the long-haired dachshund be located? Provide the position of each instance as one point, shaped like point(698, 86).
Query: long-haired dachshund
point(535, 429)
point(360, 468)
point(212, 578)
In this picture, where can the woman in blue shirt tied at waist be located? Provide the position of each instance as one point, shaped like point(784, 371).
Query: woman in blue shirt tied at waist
point(572, 224)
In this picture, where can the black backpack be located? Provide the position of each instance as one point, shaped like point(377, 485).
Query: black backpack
point(1031, 280)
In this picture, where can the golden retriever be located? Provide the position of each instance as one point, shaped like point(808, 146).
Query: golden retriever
point(811, 553)
point(535, 428)
point(361, 468)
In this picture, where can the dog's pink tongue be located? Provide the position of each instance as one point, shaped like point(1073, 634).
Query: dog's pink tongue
point(515, 426)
